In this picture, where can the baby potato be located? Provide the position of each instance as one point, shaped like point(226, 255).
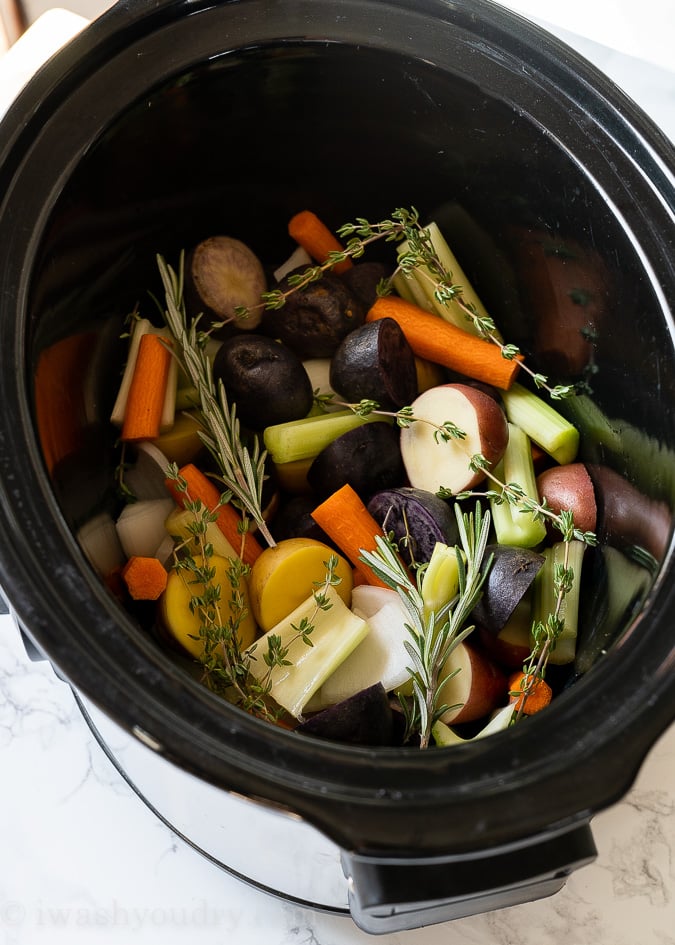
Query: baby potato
point(285, 575)
point(183, 623)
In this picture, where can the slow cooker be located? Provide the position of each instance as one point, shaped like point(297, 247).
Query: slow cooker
point(167, 121)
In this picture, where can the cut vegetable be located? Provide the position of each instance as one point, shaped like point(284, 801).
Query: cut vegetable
point(179, 525)
point(545, 597)
point(542, 423)
point(264, 378)
point(145, 577)
point(382, 657)
point(140, 526)
point(513, 524)
point(228, 519)
point(183, 619)
point(226, 276)
point(436, 340)
point(284, 576)
point(451, 311)
point(367, 457)
point(509, 578)
point(346, 520)
point(313, 235)
point(336, 633)
point(529, 694)
point(474, 685)
point(365, 718)
point(147, 391)
point(416, 518)
point(304, 439)
point(433, 462)
point(570, 488)
point(375, 362)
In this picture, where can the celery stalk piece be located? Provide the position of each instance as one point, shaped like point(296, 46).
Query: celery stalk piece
point(542, 423)
point(304, 439)
point(513, 525)
point(449, 311)
point(544, 598)
point(337, 632)
point(409, 289)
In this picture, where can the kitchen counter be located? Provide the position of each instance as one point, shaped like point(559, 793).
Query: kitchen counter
point(83, 859)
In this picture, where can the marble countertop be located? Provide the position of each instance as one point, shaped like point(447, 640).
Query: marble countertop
point(84, 860)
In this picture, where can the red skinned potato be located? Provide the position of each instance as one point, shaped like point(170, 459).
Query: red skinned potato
point(627, 516)
point(570, 487)
point(433, 463)
point(477, 687)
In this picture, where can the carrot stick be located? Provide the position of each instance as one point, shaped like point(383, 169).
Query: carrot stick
point(145, 578)
point(346, 520)
point(314, 236)
point(201, 488)
point(529, 693)
point(436, 340)
point(145, 403)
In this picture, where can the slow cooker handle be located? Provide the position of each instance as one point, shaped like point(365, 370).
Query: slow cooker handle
point(398, 894)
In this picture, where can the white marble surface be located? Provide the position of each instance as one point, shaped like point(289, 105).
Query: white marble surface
point(82, 860)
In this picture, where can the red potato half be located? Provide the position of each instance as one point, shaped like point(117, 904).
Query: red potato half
point(432, 463)
point(475, 690)
point(570, 487)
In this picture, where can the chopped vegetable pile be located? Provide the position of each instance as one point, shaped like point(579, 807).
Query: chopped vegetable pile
point(347, 503)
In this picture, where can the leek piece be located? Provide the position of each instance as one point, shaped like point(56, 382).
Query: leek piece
point(440, 583)
point(545, 597)
point(303, 439)
point(337, 632)
point(542, 423)
point(514, 525)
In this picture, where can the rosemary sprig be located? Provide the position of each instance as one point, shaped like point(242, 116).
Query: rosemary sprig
point(242, 468)
point(434, 633)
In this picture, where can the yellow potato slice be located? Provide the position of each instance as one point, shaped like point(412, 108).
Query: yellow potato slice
point(183, 624)
point(285, 575)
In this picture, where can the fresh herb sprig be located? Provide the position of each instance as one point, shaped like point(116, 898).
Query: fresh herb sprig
point(434, 633)
point(242, 468)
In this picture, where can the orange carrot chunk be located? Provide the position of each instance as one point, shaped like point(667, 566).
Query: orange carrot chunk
point(436, 340)
point(201, 488)
point(529, 693)
point(145, 578)
point(346, 520)
point(314, 236)
point(145, 402)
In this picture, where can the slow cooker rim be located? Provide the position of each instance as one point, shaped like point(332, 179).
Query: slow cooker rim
point(22, 603)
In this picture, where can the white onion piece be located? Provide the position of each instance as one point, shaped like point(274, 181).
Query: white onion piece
point(99, 540)
point(146, 479)
point(299, 257)
point(140, 527)
point(381, 657)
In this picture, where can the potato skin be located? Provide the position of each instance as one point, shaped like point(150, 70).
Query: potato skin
point(315, 319)
point(265, 378)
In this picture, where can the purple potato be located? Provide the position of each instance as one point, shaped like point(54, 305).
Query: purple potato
point(365, 718)
point(368, 458)
point(375, 362)
point(510, 576)
point(417, 518)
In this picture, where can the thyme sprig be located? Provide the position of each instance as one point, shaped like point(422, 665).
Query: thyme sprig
point(434, 633)
point(242, 468)
point(226, 667)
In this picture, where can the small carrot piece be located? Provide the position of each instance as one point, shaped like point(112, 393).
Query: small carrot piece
point(346, 520)
point(315, 238)
point(436, 340)
point(201, 488)
point(145, 403)
point(529, 693)
point(145, 578)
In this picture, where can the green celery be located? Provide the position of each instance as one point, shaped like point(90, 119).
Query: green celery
point(304, 439)
point(545, 598)
point(513, 525)
point(542, 423)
